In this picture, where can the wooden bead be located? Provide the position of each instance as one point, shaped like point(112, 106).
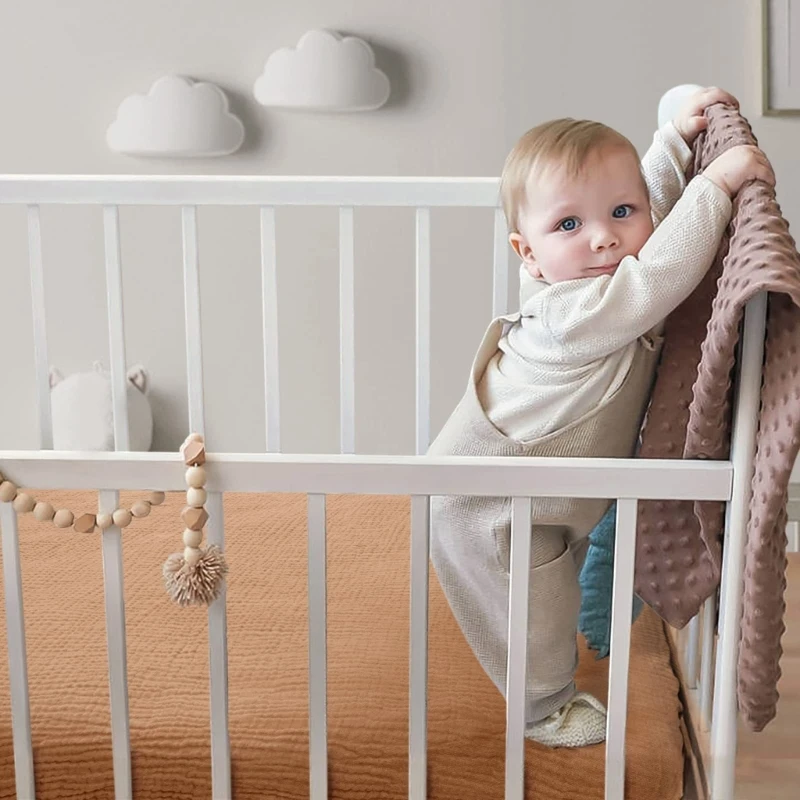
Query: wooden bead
point(156, 498)
point(196, 498)
point(141, 508)
point(196, 477)
point(85, 523)
point(24, 503)
point(8, 491)
point(192, 538)
point(104, 521)
point(191, 555)
point(194, 518)
point(63, 518)
point(193, 453)
point(194, 437)
point(44, 512)
point(122, 517)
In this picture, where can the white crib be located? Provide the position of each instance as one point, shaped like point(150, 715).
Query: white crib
point(318, 476)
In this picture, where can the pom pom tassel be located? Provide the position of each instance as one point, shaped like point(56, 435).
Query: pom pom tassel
point(198, 583)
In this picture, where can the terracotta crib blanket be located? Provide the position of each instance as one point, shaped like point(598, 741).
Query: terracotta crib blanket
point(267, 616)
point(678, 558)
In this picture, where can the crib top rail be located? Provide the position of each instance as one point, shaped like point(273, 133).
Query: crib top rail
point(644, 479)
point(249, 190)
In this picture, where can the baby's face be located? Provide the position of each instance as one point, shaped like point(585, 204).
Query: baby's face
point(583, 226)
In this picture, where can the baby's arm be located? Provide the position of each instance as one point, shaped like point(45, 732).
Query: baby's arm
point(593, 317)
point(664, 167)
point(666, 161)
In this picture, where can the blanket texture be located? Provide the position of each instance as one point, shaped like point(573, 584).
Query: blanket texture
point(679, 544)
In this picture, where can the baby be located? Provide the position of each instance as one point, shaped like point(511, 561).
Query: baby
point(609, 248)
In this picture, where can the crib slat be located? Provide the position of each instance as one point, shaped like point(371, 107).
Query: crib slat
point(418, 667)
point(624, 549)
point(191, 305)
point(743, 448)
point(217, 616)
point(42, 361)
point(17, 655)
point(347, 312)
point(500, 279)
point(317, 648)
point(707, 662)
point(218, 662)
point(423, 321)
point(692, 651)
point(269, 299)
point(116, 327)
point(107, 501)
point(113, 580)
point(517, 646)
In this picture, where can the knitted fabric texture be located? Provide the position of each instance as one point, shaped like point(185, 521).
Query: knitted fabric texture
point(678, 551)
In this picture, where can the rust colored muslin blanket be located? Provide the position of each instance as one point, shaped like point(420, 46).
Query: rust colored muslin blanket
point(679, 543)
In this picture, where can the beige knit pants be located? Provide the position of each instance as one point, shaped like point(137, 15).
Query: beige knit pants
point(473, 564)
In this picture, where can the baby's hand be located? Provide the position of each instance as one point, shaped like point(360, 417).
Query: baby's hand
point(737, 166)
point(690, 120)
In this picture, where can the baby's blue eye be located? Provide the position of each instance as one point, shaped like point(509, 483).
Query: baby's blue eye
point(568, 224)
point(620, 212)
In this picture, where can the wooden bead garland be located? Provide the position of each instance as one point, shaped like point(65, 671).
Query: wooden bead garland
point(25, 503)
point(195, 576)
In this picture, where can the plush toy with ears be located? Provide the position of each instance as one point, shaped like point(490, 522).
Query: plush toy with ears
point(82, 409)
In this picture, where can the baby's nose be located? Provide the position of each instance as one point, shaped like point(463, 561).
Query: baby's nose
point(604, 237)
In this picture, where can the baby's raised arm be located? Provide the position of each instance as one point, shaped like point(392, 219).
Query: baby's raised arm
point(596, 316)
point(664, 164)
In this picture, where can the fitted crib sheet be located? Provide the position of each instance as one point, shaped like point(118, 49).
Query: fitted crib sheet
point(368, 601)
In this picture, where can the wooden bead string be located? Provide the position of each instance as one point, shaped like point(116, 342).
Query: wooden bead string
point(194, 516)
point(25, 503)
point(197, 575)
point(194, 577)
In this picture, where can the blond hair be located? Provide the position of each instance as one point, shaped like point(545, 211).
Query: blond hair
point(568, 142)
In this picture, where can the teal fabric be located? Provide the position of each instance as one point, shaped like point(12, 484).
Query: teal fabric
point(597, 580)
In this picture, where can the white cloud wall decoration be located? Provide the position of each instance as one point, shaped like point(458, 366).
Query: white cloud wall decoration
point(176, 118)
point(325, 72)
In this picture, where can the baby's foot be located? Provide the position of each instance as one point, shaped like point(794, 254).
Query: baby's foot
point(580, 722)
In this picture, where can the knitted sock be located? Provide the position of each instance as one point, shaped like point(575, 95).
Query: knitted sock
point(581, 722)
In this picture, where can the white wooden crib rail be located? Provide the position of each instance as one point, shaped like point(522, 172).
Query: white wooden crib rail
point(317, 476)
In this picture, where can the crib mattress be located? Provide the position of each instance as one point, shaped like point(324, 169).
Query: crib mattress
point(368, 600)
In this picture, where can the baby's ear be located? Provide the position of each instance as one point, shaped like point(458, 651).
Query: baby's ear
point(522, 249)
point(138, 376)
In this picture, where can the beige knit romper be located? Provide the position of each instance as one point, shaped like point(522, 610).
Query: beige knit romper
point(470, 536)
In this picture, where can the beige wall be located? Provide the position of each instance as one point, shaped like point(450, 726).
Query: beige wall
point(467, 78)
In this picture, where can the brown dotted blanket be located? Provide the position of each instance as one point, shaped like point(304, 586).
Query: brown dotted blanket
point(679, 545)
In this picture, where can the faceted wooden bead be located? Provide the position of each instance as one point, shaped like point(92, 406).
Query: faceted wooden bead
point(141, 508)
point(122, 517)
point(194, 437)
point(192, 538)
point(156, 498)
point(8, 491)
point(193, 453)
point(196, 477)
point(191, 555)
point(104, 521)
point(196, 498)
point(85, 523)
point(63, 518)
point(44, 512)
point(194, 518)
point(24, 503)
